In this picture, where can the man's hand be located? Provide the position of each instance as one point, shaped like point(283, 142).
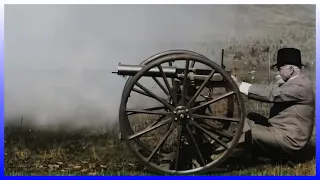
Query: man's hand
point(279, 80)
point(236, 80)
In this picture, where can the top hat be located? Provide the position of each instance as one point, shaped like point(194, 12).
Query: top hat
point(288, 56)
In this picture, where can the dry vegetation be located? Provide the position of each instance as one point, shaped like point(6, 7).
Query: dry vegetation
point(30, 152)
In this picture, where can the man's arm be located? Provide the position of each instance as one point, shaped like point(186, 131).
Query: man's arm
point(272, 94)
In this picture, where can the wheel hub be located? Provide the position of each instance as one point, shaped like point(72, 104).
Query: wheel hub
point(181, 115)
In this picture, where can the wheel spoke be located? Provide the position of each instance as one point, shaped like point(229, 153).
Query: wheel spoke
point(199, 116)
point(178, 148)
point(150, 109)
point(184, 87)
point(163, 139)
point(155, 96)
point(148, 112)
point(150, 129)
point(158, 120)
point(172, 79)
point(230, 104)
point(201, 101)
point(141, 92)
point(200, 89)
point(161, 86)
point(217, 130)
point(209, 134)
point(167, 84)
point(213, 100)
point(195, 144)
point(192, 64)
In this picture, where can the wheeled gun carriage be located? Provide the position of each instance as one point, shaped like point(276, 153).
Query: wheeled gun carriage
point(193, 130)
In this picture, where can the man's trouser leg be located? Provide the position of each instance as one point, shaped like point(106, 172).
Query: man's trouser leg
point(264, 141)
point(258, 139)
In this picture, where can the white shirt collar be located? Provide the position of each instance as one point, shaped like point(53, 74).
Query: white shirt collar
point(293, 77)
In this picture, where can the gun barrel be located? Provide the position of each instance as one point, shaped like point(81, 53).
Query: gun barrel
point(131, 70)
point(170, 72)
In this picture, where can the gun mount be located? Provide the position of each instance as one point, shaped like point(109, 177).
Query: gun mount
point(193, 137)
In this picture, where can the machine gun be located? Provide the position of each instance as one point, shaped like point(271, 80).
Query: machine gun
point(194, 132)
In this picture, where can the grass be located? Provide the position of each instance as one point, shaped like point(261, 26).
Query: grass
point(55, 153)
point(281, 170)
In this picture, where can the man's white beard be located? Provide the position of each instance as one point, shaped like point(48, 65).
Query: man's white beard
point(279, 80)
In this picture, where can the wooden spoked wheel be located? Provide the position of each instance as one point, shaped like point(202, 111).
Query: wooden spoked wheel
point(185, 138)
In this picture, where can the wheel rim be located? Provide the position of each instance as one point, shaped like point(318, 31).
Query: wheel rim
point(178, 112)
point(162, 54)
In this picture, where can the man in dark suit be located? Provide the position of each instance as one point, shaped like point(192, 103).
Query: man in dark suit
point(291, 121)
